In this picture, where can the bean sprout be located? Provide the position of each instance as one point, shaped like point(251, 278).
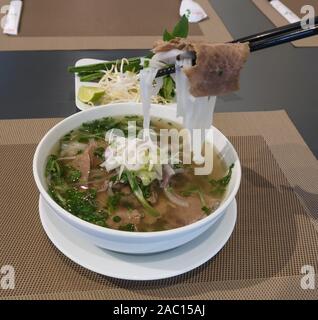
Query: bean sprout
point(123, 86)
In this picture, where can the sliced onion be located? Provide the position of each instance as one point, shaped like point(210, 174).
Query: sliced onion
point(175, 199)
point(104, 187)
point(167, 173)
point(110, 190)
point(66, 158)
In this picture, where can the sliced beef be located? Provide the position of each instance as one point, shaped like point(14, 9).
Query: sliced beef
point(93, 145)
point(82, 162)
point(217, 68)
point(122, 188)
point(177, 43)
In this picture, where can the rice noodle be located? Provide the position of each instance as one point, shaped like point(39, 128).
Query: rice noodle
point(182, 85)
point(168, 172)
point(197, 112)
point(147, 77)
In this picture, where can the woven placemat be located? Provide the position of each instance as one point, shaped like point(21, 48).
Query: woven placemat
point(100, 24)
point(278, 20)
point(274, 237)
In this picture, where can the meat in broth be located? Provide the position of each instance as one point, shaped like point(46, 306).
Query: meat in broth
point(80, 180)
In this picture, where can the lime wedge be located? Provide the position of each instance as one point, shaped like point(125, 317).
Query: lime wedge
point(90, 94)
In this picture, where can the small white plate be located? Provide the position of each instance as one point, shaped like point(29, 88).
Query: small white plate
point(82, 62)
point(137, 267)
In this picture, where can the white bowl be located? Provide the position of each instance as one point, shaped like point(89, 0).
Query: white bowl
point(132, 242)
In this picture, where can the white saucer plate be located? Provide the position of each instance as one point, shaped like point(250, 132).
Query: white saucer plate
point(137, 267)
point(79, 104)
point(82, 62)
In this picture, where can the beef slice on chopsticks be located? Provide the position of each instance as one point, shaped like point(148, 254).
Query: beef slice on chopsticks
point(217, 68)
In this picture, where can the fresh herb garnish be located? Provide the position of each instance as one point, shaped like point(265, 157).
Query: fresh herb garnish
point(113, 178)
point(145, 190)
point(132, 180)
point(72, 175)
point(80, 202)
point(99, 152)
point(98, 218)
point(56, 196)
point(206, 210)
point(195, 190)
point(53, 169)
point(180, 30)
point(113, 202)
point(146, 63)
point(167, 90)
point(219, 186)
point(83, 139)
point(87, 70)
point(116, 219)
point(167, 36)
point(67, 137)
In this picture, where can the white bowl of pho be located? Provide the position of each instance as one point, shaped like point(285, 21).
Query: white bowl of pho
point(128, 191)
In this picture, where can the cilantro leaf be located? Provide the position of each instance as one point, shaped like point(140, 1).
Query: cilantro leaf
point(113, 202)
point(181, 30)
point(167, 36)
point(167, 90)
point(219, 186)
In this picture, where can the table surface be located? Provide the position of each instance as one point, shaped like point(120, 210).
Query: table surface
point(37, 85)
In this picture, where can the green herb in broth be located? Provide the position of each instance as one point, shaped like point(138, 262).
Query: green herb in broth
point(53, 169)
point(113, 178)
point(180, 30)
point(145, 190)
point(67, 137)
point(139, 194)
point(113, 202)
point(168, 88)
point(219, 186)
point(206, 210)
point(72, 175)
point(56, 196)
point(81, 202)
point(98, 218)
point(99, 152)
point(116, 219)
point(197, 191)
point(139, 207)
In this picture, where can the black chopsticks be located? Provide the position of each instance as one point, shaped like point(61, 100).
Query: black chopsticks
point(273, 32)
point(267, 39)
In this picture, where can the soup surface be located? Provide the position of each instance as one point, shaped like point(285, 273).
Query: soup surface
point(128, 200)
